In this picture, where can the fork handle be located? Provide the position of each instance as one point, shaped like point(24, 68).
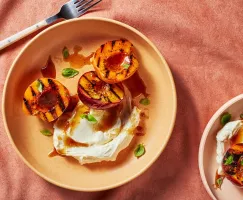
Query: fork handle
point(14, 38)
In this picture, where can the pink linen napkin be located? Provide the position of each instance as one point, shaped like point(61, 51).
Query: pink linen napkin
point(202, 43)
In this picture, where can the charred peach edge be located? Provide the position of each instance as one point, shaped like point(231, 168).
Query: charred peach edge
point(32, 94)
point(93, 98)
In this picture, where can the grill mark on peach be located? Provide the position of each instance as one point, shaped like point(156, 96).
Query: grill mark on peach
point(131, 62)
point(131, 59)
point(32, 91)
point(53, 113)
point(84, 90)
point(89, 93)
point(115, 93)
point(104, 99)
point(60, 102)
point(113, 44)
point(107, 99)
point(52, 84)
point(59, 98)
point(124, 73)
point(98, 62)
point(101, 48)
point(27, 105)
point(107, 73)
point(44, 116)
point(83, 86)
point(119, 91)
point(89, 81)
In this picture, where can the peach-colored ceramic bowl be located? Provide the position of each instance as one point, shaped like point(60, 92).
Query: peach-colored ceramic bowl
point(207, 153)
point(24, 131)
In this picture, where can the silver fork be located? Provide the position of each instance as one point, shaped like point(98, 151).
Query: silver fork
point(70, 10)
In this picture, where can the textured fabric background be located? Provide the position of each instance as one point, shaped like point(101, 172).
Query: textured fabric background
point(202, 41)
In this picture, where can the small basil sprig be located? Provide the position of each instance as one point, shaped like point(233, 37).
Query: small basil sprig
point(125, 65)
point(229, 160)
point(241, 162)
point(46, 132)
point(65, 53)
point(225, 118)
point(89, 117)
point(69, 72)
point(219, 182)
point(139, 151)
point(144, 101)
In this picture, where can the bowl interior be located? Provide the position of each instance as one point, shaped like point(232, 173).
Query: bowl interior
point(207, 154)
point(24, 131)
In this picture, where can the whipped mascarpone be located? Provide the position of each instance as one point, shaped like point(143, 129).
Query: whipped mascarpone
point(102, 146)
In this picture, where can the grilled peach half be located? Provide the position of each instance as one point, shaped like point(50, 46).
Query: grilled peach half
point(233, 164)
point(46, 98)
point(97, 94)
point(115, 61)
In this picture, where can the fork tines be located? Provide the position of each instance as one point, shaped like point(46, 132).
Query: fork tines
point(84, 5)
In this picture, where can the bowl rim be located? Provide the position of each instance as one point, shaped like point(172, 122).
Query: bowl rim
point(204, 138)
point(170, 127)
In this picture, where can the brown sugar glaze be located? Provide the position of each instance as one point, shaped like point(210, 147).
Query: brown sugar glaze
point(237, 138)
point(114, 62)
point(69, 142)
point(63, 123)
point(141, 128)
point(136, 85)
point(53, 153)
point(73, 103)
point(47, 100)
point(82, 109)
point(78, 60)
point(49, 70)
point(109, 119)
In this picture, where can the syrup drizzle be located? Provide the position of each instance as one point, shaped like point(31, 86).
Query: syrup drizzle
point(78, 60)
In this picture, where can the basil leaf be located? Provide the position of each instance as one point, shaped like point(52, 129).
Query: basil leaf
point(219, 181)
point(126, 66)
point(139, 151)
point(225, 118)
point(46, 132)
point(229, 160)
point(65, 53)
point(241, 162)
point(144, 101)
point(69, 72)
point(83, 116)
point(39, 86)
point(89, 117)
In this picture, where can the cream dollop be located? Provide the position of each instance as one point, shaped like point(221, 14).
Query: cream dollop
point(102, 146)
